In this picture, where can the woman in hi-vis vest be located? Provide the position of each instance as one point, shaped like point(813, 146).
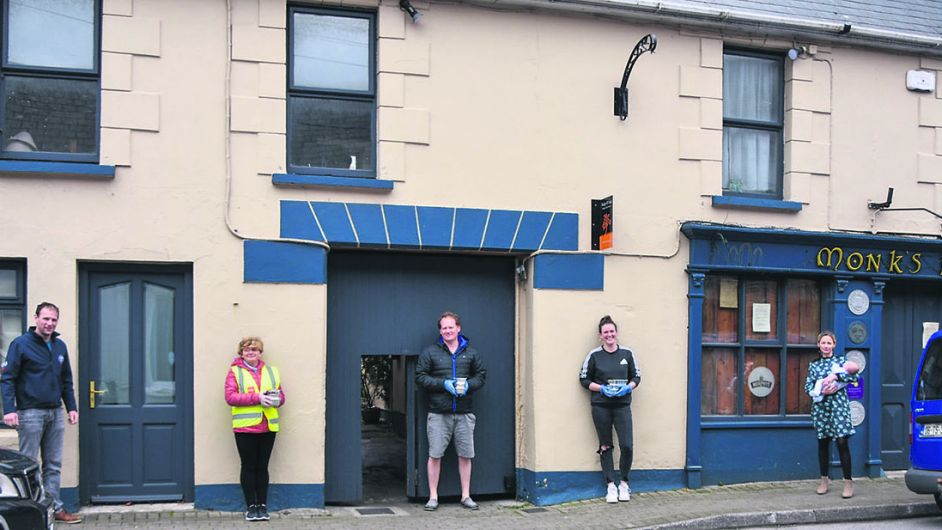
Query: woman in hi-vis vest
point(253, 389)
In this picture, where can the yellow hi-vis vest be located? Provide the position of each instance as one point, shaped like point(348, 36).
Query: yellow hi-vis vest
point(252, 415)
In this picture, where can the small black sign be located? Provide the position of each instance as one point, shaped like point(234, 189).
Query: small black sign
point(602, 223)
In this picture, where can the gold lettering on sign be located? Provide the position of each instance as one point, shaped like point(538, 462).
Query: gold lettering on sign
point(894, 263)
point(855, 261)
point(834, 258)
point(830, 253)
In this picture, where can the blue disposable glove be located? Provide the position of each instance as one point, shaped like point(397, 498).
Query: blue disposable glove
point(622, 391)
point(608, 390)
point(450, 387)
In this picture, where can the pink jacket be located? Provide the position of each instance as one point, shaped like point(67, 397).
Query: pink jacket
point(237, 399)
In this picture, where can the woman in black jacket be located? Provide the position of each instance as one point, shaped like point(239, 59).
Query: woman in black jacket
point(611, 373)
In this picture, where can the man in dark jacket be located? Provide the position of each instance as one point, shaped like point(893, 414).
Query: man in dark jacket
point(36, 381)
point(450, 371)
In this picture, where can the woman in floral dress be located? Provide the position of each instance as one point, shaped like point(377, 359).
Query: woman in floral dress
point(830, 412)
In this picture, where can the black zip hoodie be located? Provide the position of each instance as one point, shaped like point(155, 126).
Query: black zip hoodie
point(36, 376)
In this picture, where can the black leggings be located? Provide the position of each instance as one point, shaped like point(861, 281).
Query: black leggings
point(620, 418)
point(824, 455)
point(254, 451)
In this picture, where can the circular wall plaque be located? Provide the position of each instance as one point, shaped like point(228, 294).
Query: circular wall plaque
point(858, 301)
point(761, 381)
point(857, 332)
point(857, 413)
point(859, 358)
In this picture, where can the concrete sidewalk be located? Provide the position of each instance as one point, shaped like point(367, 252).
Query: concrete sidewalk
point(743, 505)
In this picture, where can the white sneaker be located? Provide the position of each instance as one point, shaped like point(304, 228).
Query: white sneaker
point(612, 495)
point(624, 492)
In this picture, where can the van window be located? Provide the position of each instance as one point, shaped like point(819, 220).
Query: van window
point(930, 378)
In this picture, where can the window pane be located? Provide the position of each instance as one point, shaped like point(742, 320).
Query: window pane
point(797, 401)
point(929, 385)
point(331, 133)
point(115, 347)
point(7, 283)
point(331, 52)
point(52, 33)
point(804, 311)
point(751, 159)
point(11, 327)
point(752, 88)
point(721, 309)
point(159, 383)
point(718, 381)
point(52, 115)
point(765, 294)
point(761, 392)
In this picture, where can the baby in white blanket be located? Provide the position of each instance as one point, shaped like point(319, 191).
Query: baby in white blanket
point(849, 367)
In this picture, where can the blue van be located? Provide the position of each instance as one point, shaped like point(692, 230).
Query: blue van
point(925, 455)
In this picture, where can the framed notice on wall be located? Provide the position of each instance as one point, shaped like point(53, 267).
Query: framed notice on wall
point(602, 223)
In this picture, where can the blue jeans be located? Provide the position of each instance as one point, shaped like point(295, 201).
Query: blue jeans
point(44, 429)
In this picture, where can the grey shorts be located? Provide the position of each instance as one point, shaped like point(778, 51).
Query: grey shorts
point(443, 427)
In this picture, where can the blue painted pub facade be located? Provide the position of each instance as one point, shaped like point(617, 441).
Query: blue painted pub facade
point(757, 298)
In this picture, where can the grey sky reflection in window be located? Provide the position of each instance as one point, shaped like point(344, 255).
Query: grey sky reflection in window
point(52, 33)
point(331, 52)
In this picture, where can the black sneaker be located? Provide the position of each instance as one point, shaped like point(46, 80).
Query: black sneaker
point(262, 512)
point(252, 513)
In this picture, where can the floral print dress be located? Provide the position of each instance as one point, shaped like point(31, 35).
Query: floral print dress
point(831, 415)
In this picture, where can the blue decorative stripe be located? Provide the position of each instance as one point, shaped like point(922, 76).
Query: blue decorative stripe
point(563, 233)
point(755, 203)
point(501, 229)
point(335, 222)
point(280, 262)
point(435, 226)
point(469, 228)
point(23, 167)
point(553, 487)
point(229, 498)
point(569, 271)
point(297, 221)
point(432, 227)
point(322, 181)
point(532, 229)
point(368, 220)
point(403, 230)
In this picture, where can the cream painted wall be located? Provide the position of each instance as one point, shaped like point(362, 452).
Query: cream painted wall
point(478, 108)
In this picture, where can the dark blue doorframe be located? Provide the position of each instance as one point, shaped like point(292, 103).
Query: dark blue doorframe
point(908, 305)
point(388, 304)
point(136, 343)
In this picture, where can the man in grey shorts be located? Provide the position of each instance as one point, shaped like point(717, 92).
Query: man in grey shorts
point(450, 371)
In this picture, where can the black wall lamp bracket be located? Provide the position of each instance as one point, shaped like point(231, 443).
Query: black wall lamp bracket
point(648, 43)
point(885, 206)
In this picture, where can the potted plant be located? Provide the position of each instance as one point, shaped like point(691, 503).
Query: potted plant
point(375, 374)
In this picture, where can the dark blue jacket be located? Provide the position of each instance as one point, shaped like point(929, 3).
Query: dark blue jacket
point(35, 377)
point(436, 363)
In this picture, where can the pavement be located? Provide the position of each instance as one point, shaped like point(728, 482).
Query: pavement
point(734, 506)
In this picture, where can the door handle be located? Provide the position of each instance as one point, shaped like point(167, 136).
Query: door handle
point(92, 392)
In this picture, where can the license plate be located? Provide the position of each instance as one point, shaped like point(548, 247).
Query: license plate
point(932, 430)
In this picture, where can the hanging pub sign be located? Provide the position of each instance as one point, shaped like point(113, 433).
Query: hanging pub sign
point(602, 223)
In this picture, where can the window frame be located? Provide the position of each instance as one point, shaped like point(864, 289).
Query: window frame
point(45, 72)
point(780, 344)
point(19, 300)
point(775, 126)
point(295, 92)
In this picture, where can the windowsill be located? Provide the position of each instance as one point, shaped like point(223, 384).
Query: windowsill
point(55, 169)
point(323, 181)
point(755, 203)
point(760, 422)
